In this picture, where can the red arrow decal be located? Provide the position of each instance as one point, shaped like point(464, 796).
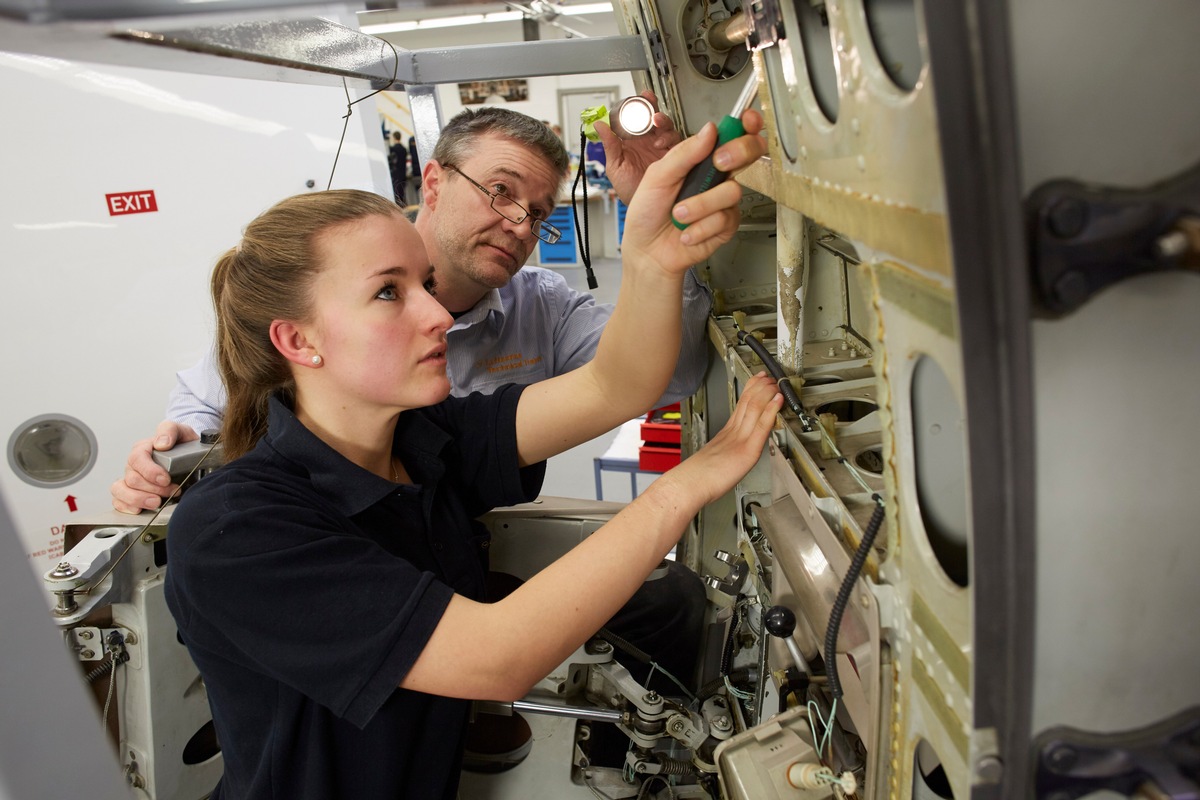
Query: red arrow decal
point(71, 502)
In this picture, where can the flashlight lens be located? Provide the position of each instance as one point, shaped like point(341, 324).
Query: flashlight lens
point(635, 116)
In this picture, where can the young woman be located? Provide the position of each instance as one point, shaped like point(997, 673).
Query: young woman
point(327, 582)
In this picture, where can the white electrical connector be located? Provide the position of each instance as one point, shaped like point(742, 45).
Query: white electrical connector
point(806, 775)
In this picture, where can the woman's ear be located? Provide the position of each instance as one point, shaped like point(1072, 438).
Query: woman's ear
point(293, 344)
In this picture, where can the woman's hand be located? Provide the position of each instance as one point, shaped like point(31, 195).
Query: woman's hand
point(717, 467)
point(711, 217)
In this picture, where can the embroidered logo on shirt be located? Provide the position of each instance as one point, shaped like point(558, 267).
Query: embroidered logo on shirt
point(507, 362)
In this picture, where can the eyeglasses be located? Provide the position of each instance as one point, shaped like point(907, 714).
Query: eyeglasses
point(513, 211)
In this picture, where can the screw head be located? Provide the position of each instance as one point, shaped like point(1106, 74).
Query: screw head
point(1066, 218)
point(1071, 288)
point(1062, 758)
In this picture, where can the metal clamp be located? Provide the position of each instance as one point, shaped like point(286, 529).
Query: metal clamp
point(1163, 758)
point(1083, 238)
point(738, 570)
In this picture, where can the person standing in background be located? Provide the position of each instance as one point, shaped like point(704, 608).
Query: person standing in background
point(415, 170)
point(398, 166)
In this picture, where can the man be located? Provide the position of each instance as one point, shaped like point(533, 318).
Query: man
point(398, 167)
point(492, 179)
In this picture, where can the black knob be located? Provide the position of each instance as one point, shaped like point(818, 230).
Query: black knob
point(210, 436)
point(780, 621)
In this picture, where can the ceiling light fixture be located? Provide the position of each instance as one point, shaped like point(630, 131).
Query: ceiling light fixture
point(472, 19)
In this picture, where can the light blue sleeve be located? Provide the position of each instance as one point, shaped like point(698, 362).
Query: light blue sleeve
point(198, 399)
point(693, 344)
point(581, 321)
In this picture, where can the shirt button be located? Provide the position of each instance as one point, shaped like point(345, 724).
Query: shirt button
point(437, 546)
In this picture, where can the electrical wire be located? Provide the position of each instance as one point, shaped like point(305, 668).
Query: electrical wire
point(643, 657)
point(821, 740)
point(351, 103)
point(112, 684)
point(785, 384)
point(843, 597)
point(789, 394)
point(642, 795)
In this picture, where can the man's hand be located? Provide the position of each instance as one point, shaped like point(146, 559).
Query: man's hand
point(145, 482)
point(626, 159)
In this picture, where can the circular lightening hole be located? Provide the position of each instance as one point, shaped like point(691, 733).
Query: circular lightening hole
point(817, 41)
point(847, 410)
point(870, 460)
point(202, 746)
point(894, 32)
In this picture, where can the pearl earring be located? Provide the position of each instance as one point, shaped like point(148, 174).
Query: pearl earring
point(316, 361)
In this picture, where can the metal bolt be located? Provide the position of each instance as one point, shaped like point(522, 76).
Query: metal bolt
point(88, 654)
point(1062, 758)
point(1067, 218)
point(721, 723)
point(85, 635)
point(651, 697)
point(989, 769)
point(131, 638)
point(148, 538)
point(677, 726)
point(64, 570)
point(1071, 288)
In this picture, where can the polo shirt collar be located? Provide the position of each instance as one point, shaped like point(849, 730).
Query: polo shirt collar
point(350, 488)
point(490, 306)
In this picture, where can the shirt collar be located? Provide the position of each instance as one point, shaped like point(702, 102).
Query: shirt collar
point(349, 487)
point(481, 311)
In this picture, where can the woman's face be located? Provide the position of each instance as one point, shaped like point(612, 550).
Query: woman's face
point(379, 330)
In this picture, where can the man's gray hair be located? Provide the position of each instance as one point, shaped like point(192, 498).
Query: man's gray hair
point(457, 140)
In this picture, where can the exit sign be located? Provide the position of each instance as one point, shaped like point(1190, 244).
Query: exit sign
point(130, 203)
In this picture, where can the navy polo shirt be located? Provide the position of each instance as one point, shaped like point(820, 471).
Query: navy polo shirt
point(305, 587)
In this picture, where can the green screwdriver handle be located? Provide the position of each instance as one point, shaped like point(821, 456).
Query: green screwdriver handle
point(705, 175)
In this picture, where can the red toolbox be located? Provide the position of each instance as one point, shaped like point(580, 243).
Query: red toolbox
point(660, 439)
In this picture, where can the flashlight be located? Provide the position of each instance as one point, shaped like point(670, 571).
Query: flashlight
point(631, 117)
